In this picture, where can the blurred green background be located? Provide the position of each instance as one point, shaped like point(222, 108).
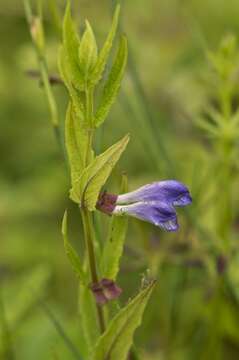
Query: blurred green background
point(193, 313)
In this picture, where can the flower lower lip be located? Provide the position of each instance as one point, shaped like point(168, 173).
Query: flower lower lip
point(157, 213)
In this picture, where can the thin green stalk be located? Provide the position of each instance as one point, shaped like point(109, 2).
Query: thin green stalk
point(86, 215)
point(44, 73)
point(89, 242)
point(89, 93)
point(48, 91)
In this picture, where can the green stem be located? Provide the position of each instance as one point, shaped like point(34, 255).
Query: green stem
point(89, 242)
point(44, 72)
point(86, 215)
point(89, 93)
point(47, 87)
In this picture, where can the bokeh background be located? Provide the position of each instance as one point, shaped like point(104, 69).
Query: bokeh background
point(193, 313)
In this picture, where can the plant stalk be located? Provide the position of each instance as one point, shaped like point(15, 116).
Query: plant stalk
point(89, 242)
point(44, 75)
point(89, 119)
point(86, 215)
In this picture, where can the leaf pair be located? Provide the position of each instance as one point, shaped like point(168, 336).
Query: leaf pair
point(85, 190)
point(83, 65)
point(112, 85)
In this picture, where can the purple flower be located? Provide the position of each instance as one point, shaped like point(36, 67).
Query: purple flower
point(153, 202)
point(170, 191)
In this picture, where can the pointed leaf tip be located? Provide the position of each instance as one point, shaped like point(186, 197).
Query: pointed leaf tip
point(113, 83)
point(116, 341)
point(98, 71)
point(86, 189)
point(88, 51)
point(71, 42)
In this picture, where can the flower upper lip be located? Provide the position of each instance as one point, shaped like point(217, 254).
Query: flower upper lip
point(170, 191)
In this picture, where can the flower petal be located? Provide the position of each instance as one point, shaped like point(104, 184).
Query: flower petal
point(172, 192)
point(158, 213)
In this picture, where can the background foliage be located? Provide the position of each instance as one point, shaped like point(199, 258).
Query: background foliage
point(193, 314)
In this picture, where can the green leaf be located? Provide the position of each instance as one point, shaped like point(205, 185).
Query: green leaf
point(86, 189)
point(104, 52)
point(115, 343)
point(113, 83)
point(73, 92)
point(96, 174)
point(88, 52)
point(71, 253)
point(113, 248)
point(71, 43)
point(76, 143)
point(88, 316)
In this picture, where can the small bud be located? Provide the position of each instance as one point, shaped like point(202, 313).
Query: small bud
point(88, 52)
point(37, 33)
point(105, 291)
